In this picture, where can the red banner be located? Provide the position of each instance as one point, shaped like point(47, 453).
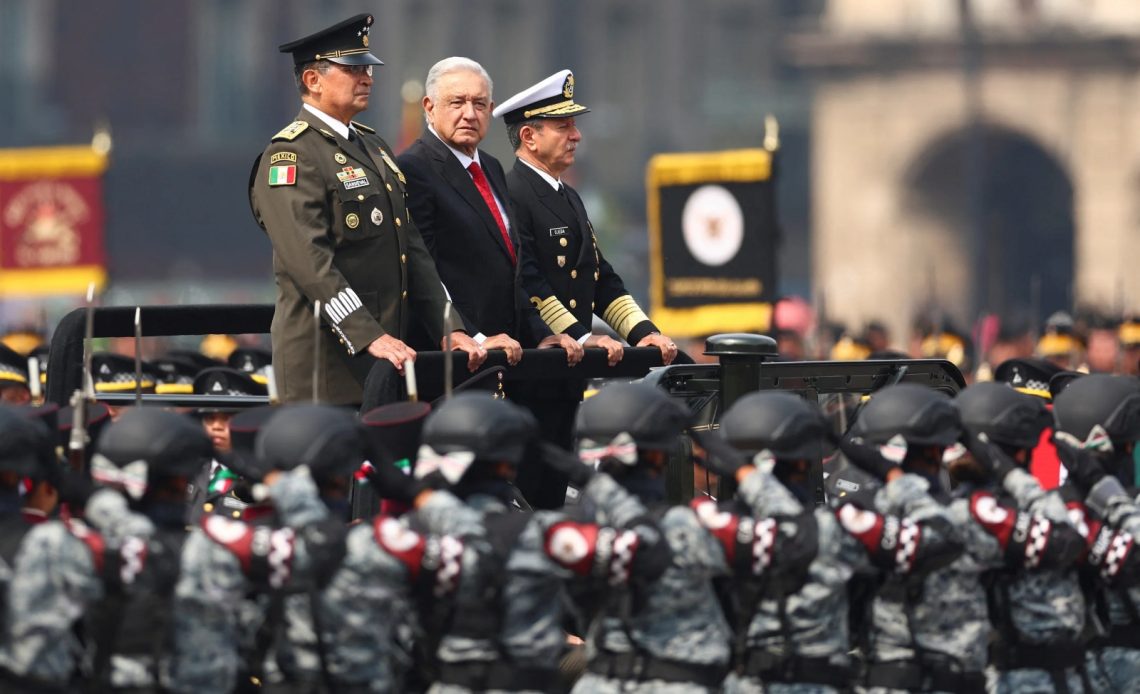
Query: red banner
point(51, 220)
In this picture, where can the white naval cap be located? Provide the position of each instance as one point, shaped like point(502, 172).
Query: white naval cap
point(553, 97)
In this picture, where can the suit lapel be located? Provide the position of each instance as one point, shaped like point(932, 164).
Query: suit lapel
point(584, 227)
point(549, 197)
point(457, 177)
point(350, 150)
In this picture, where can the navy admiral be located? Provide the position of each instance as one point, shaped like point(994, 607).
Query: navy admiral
point(563, 270)
point(332, 200)
point(568, 279)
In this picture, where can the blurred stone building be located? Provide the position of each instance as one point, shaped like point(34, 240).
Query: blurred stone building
point(974, 156)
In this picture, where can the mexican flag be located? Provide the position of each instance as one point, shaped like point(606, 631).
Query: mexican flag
point(283, 175)
point(222, 482)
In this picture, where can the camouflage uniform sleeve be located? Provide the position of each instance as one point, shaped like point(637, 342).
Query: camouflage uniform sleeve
point(296, 498)
point(1030, 495)
point(1109, 500)
point(444, 514)
point(616, 505)
point(364, 604)
point(1112, 543)
point(766, 496)
point(900, 545)
point(53, 582)
point(1034, 531)
point(926, 534)
point(206, 630)
point(107, 510)
point(535, 597)
point(976, 541)
point(906, 496)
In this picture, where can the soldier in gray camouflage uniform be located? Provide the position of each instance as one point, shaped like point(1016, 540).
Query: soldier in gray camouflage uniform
point(335, 596)
point(113, 569)
point(798, 642)
point(668, 633)
point(26, 451)
point(504, 629)
point(932, 634)
point(1097, 426)
point(1035, 598)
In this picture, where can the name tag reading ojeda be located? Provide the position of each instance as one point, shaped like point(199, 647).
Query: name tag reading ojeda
point(558, 231)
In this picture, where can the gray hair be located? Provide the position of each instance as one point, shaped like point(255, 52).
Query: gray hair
point(513, 130)
point(321, 66)
point(450, 65)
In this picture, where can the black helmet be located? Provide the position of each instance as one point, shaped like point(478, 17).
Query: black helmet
point(646, 413)
point(1112, 402)
point(26, 445)
point(1004, 415)
point(147, 443)
point(922, 416)
point(785, 424)
point(491, 429)
point(328, 440)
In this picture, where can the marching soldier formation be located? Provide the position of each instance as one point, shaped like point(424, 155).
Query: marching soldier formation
point(215, 550)
point(959, 572)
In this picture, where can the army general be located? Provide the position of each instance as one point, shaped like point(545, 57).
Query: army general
point(329, 195)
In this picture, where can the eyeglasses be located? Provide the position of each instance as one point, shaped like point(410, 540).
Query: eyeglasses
point(356, 70)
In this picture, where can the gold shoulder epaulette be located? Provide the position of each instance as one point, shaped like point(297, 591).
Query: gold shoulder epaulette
point(362, 126)
point(291, 131)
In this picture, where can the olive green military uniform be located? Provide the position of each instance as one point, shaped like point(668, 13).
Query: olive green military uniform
point(341, 234)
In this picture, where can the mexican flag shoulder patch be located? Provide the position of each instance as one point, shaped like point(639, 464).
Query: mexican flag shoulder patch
point(283, 175)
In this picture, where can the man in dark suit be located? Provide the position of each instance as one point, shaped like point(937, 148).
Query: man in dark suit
point(331, 200)
point(564, 271)
point(457, 196)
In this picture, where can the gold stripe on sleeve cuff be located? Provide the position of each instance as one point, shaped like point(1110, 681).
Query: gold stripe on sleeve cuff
point(623, 314)
point(553, 313)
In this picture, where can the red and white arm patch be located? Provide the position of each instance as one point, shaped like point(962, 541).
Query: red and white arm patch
point(265, 553)
point(591, 550)
point(444, 557)
point(92, 539)
point(764, 534)
point(234, 535)
point(1110, 551)
point(748, 543)
point(891, 542)
point(866, 526)
point(132, 559)
point(1024, 536)
point(721, 524)
point(1080, 519)
point(404, 544)
point(996, 519)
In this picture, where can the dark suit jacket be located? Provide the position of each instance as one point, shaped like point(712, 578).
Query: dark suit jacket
point(344, 238)
point(563, 270)
point(461, 234)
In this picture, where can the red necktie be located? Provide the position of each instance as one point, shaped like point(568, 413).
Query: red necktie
point(485, 190)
